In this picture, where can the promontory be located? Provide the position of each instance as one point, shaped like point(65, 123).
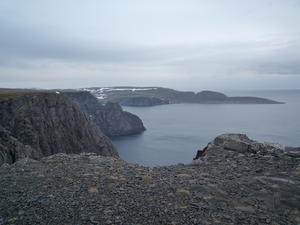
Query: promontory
point(151, 96)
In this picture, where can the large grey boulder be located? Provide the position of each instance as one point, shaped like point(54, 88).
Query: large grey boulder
point(230, 145)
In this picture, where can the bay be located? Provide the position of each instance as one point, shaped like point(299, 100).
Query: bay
point(175, 132)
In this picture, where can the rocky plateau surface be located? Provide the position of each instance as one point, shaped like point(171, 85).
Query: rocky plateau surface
point(234, 180)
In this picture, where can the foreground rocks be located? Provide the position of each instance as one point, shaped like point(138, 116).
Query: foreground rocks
point(226, 185)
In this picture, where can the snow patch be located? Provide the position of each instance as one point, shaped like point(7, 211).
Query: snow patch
point(102, 96)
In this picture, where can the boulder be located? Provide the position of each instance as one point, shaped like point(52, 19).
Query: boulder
point(230, 144)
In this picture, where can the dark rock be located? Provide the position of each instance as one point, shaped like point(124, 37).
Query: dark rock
point(93, 220)
point(200, 153)
point(111, 119)
point(293, 152)
point(39, 124)
point(225, 145)
point(245, 209)
point(226, 216)
point(120, 122)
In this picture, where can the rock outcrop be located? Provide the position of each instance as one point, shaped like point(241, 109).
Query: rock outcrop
point(231, 144)
point(111, 118)
point(40, 124)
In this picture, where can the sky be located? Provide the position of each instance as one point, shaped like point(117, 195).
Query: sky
point(185, 45)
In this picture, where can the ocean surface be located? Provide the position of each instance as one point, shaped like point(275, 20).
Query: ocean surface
point(175, 132)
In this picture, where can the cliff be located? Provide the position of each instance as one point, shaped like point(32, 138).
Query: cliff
point(150, 96)
point(111, 119)
point(40, 124)
point(235, 181)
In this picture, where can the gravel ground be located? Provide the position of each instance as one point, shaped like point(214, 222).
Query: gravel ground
point(89, 189)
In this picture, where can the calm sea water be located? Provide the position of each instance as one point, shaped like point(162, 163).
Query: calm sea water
point(175, 132)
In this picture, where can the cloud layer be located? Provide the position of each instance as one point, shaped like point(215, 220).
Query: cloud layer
point(185, 45)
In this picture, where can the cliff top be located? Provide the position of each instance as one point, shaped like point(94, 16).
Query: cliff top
point(226, 185)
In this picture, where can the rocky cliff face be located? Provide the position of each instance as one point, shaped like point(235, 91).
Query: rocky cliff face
point(40, 124)
point(119, 122)
point(111, 118)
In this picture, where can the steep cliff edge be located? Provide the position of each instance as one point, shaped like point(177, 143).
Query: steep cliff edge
point(111, 118)
point(40, 124)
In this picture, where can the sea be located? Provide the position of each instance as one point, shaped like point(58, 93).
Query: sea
point(176, 131)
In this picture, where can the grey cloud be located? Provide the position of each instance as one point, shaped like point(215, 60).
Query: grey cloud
point(28, 47)
point(30, 50)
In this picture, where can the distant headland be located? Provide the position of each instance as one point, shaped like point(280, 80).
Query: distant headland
point(151, 96)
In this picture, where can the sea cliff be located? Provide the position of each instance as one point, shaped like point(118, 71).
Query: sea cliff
point(39, 124)
point(111, 119)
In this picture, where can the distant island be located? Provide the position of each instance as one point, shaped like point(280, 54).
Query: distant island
point(151, 96)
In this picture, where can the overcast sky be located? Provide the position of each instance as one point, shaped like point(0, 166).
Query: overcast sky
point(186, 45)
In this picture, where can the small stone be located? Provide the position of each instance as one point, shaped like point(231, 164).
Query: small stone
point(195, 205)
point(226, 216)
point(118, 222)
point(245, 209)
point(108, 222)
point(258, 170)
point(93, 221)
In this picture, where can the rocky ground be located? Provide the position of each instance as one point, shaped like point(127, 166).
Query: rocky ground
point(226, 185)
